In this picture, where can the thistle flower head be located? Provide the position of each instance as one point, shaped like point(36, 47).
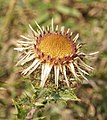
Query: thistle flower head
point(52, 48)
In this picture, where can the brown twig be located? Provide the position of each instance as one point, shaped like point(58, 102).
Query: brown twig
point(30, 115)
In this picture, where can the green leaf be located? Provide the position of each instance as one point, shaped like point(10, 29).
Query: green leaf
point(62, 94)
point(68, 11)
point(20, 111)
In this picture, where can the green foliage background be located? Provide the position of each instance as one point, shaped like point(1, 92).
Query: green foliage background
point(89, 18)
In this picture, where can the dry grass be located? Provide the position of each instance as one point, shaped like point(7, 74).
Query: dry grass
point(86, 17)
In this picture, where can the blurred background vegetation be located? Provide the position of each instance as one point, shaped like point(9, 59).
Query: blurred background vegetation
point(89, 18)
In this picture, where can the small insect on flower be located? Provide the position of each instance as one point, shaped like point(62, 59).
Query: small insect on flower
point(53, 47)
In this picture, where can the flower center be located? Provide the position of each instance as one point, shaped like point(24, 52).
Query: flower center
point(56, 46)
